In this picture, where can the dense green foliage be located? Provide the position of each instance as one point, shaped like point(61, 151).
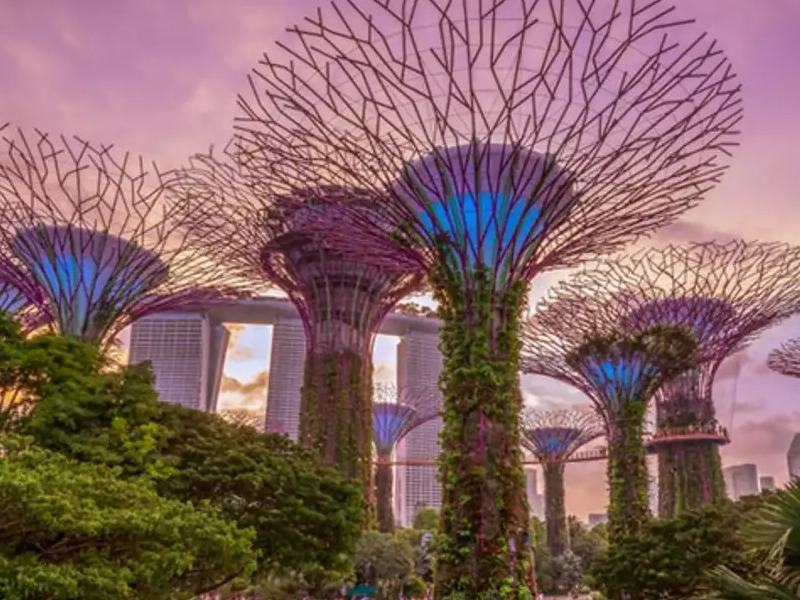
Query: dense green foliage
point(639, 363)
point(74, 530)
point(426, 519)
point(670, 558)
point(384, 486)
point(383, 561)
point(773, 534)
point(689, 476)
point(555, 508)
point(336, 412)
point(563, 574)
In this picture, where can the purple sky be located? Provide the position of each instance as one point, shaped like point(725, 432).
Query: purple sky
point(160, 78)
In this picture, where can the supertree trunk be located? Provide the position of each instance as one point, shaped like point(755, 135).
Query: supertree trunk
point(555, 508)
point(629, 507)
point(689, 476)
point(336, 411)
point(383, 496)
point(483, 550)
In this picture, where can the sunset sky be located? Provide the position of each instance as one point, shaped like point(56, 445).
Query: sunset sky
point(159, 78)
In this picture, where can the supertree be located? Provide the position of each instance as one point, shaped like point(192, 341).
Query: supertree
point(786, 359)
point(341, 300)
point(395, 413)
point(88, 240)
point(582, 339)
point(504, 137)
point(552, 437)
point(725, 293)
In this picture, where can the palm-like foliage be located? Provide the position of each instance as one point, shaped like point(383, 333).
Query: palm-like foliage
point(775, 531)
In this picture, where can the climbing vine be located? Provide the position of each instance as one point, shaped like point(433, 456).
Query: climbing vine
point(383, 495)
point(483, 550)
point(555, 512)
point(336, 412)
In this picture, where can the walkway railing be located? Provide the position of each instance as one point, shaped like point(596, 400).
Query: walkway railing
point(690, 433)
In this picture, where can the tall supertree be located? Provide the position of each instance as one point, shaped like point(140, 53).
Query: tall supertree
point(725, 293)
point(786, 359)
point(503, 137)
point(87, 238)
point(341, 300)
point(395, 413)
point(552, 437)
point(582, 339)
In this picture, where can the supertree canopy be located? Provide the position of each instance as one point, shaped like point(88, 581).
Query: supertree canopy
point(725, 293)
point(553, 437)
point(395, 413)
point(583, 339)
point(502, 137)
point(786, 359)
point(342, 299)
point(88, 239)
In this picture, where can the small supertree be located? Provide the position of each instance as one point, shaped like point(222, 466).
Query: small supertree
point(395, 413)
point(87, 238)
point(786, 359)
point(505, 137)
point(341, 300)
point(552, 437)
point(725, 293)
point(582, 340)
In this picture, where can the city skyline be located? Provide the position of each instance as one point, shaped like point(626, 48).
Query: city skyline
point(161, 80)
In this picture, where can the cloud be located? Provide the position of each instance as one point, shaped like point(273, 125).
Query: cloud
point(244, 395)
point(385, 373)
point(686, 232)
point(765, 443)
point(237, 350)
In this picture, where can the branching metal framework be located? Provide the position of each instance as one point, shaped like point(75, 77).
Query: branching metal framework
point(786, 359)
point(726, 293)
point(586, 339)
point(342, 300)
point(87, 238)
point(395, 413)
point(502, 137)
point(553, 437)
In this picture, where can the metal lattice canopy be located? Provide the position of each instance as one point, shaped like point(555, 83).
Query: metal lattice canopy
point(87, 237)
point(396, 412)
point(786, 359)
point(341, 299)
point(517, 135)
point(556, 435)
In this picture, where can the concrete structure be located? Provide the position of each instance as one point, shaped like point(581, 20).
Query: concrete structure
point(535, 499)
point(652, 493)
point(793, 457)
point(597, 519)
point(741, 480)
point(767, 483)
point(187, 352)
point(419, 365)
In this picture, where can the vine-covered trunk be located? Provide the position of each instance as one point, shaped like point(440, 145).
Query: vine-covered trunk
point(555, 508)
point(336, 412)
point(629, 506)
point(689, 476)
point(383, 495)
point(483, 551)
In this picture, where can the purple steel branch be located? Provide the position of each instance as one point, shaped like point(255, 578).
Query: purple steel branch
point(86, 234)
point(558, 434)
point(563, 127)
point(786, 359)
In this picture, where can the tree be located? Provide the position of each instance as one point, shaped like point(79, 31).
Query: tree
point(773, 532)
point(75, 530)
point(587, 544)
point(384, 561)
point(670, 558)
point(426, 519)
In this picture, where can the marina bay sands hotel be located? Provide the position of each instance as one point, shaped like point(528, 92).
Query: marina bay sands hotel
point(187, 353)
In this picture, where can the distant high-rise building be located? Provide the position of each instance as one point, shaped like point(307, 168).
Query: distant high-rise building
point(793, 457)
point(419, 365)
point(286, 375)
point(597, 519)
point(535, 499)
point(186, 352)
point(741, 480)
point(767, 483)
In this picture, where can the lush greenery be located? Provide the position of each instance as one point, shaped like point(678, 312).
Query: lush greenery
point(689, 476)
point(336, 412)
point(384, 486)
point(670, 558)
point(565, 573)
point(78, 530)
point(304, 519)
point(482, 549)
point(774, 535)
point(627, 369)
point(555, 508)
